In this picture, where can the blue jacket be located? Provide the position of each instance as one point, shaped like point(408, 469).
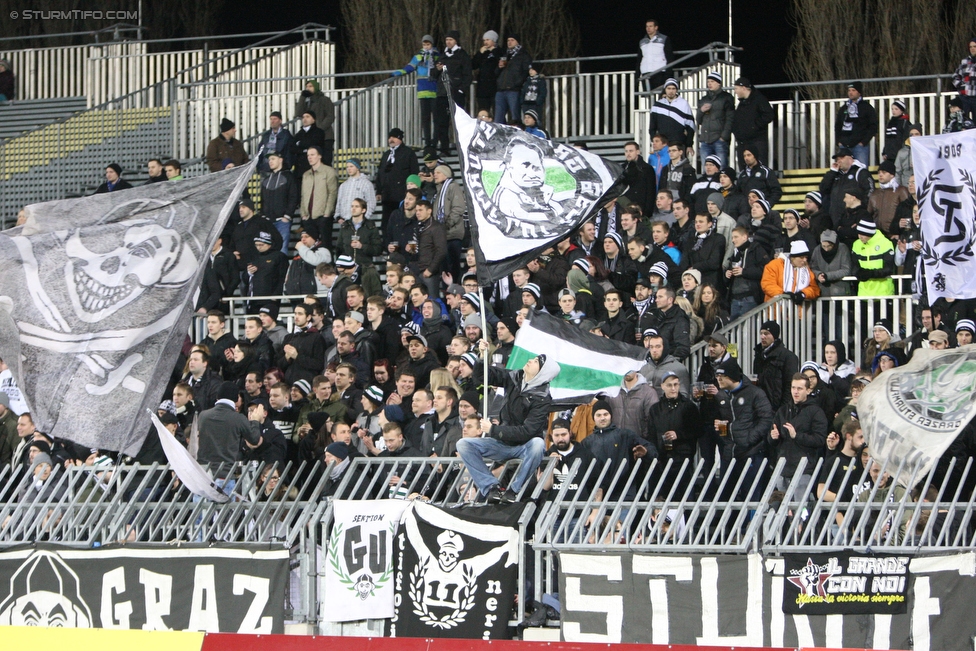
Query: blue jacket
point(282, 146)
point(422, 62)
point(659, 161)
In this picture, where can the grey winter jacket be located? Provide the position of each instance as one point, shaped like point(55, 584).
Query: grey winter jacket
point(903, 165)
point(632, 409)
point(842, 265)
point(717, 123)
point(668, 364)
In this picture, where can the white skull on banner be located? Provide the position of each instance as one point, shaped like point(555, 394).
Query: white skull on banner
point(100, 284)
point(44, 591)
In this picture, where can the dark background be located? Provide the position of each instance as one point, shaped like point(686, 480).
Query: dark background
point(615, 27)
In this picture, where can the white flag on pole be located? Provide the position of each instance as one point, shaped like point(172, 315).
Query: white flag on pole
point(197, 480)
point(945, 178)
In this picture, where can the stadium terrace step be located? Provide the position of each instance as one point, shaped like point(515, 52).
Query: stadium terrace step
point(20, 116)
point(796, 184)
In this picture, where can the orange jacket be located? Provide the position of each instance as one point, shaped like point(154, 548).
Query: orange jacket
point(772, 281)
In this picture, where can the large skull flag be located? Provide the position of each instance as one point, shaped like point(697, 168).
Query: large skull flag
point(96, 296)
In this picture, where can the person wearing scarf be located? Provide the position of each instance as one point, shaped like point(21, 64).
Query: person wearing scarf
point(792, 277)
point(884, 200)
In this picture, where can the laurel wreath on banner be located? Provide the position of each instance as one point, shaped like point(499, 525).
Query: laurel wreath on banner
point(954, 256)
point(416, 592)
point(340, 571)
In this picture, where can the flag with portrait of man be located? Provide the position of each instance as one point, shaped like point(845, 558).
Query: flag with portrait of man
point(526, 193)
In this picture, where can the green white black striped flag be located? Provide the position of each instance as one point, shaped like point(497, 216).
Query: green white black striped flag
point(589, 364)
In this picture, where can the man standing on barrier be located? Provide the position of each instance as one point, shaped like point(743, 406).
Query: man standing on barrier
point(518, 432)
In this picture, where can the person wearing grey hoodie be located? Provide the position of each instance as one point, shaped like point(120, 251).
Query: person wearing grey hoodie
point(518, 432)
point(832, 261)
point(660, 362)
point(631, 407)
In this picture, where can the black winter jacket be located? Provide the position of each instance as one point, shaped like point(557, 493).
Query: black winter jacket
point(763, 179)
point(751, 117)
point(750, 419)
point(279, 195)
point(681, 416)
point(835, 183)
point(525, 414)
point(310, 359)
point(675, 328)
point(775, 369)
point(811, 428)
point(615, 445)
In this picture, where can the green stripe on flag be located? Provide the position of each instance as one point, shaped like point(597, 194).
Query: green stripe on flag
point(574, 378)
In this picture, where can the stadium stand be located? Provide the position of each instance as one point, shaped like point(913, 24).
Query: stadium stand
point(694, 457)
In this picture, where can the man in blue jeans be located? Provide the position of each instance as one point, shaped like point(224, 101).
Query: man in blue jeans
point(518, 433)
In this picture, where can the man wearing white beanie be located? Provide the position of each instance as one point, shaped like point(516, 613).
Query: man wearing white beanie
point(485, 63)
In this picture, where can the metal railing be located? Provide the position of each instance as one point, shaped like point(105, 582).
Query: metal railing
point(732, 506)
point(109, 69)
point(68, 157)
point(52, 73)
point(805, 329)
point(802, 134)
point(691, 509)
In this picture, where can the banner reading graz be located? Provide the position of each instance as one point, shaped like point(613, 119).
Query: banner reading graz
point(637, 598)
point(226, 590)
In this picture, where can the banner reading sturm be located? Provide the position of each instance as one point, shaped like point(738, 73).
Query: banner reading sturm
point(737, 600)
point(456, 571)
point(843, 583)
point(217, 590)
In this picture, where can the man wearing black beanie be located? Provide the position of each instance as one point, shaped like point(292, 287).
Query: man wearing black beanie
point(775, 365)
point(744, 420)
point(620, 446)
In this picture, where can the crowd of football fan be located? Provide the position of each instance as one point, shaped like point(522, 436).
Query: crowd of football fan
point(390, 364)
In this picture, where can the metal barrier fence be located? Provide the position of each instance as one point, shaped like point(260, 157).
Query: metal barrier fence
point(90, 506)
point(805, 329)
point(116, 66)
point(55, 72)
point(802, 135)
point(659, 507)
point(68, 157)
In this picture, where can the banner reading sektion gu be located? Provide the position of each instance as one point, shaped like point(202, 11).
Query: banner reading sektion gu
point(359, 565)
point(945, 178)
point(96, 296)
point(456, 571)
point(217, 590)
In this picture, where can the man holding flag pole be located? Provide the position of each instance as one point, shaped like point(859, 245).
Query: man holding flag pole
point(524, 194)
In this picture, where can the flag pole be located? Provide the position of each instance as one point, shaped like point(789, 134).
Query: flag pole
point(484, 334)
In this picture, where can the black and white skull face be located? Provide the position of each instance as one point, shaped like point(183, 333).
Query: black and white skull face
point(364, 586)
point(448, 558)
point(101, 284)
